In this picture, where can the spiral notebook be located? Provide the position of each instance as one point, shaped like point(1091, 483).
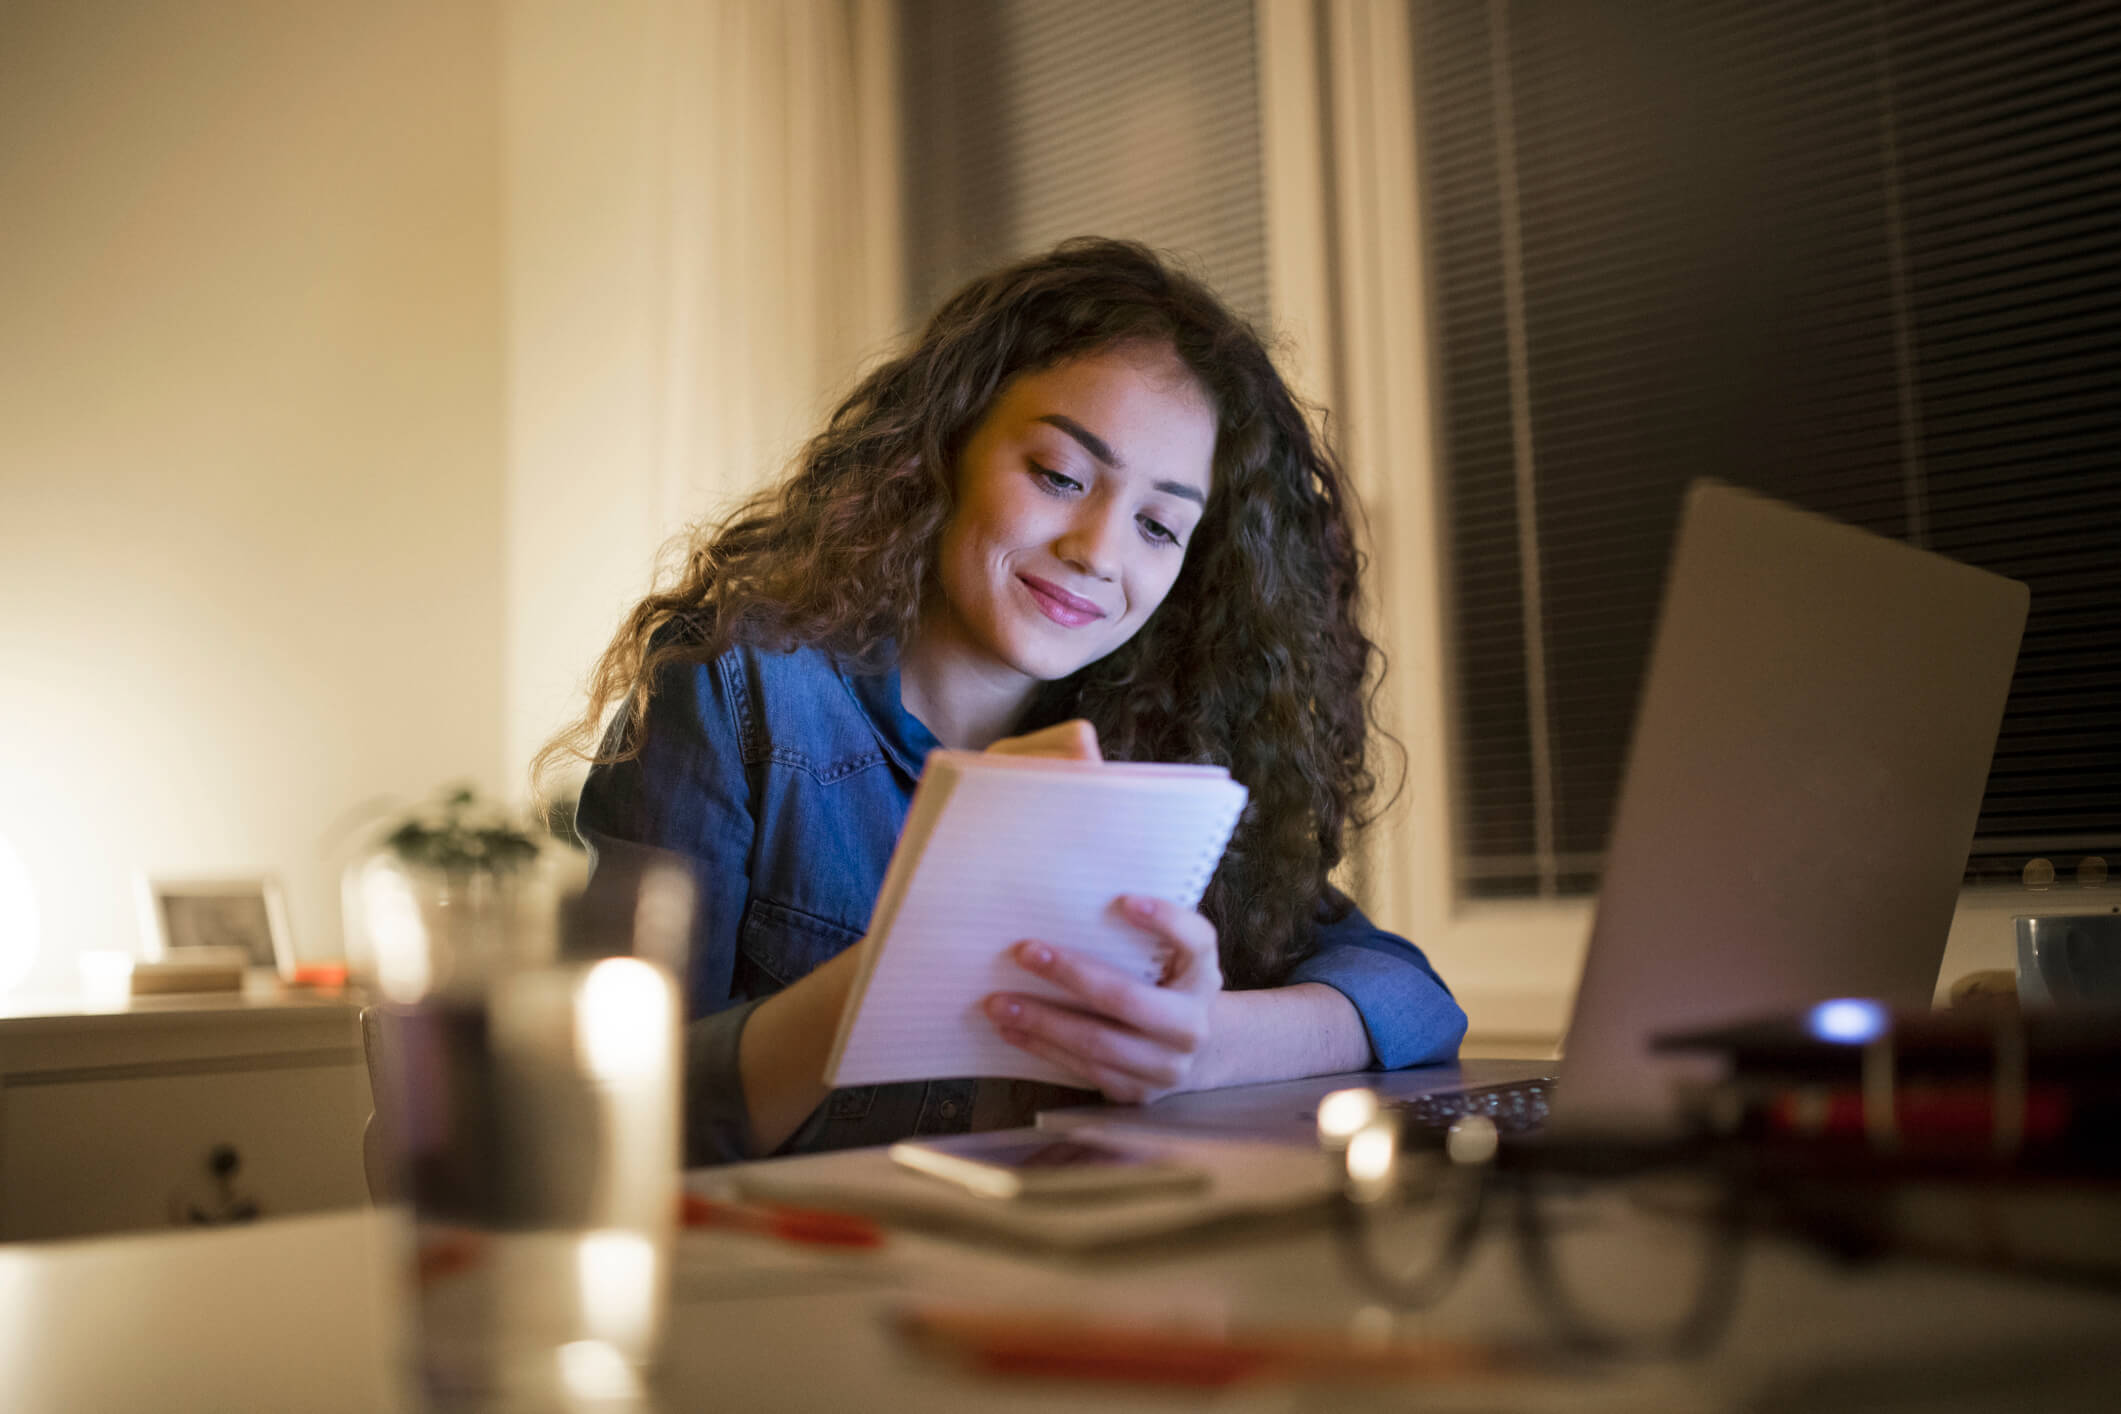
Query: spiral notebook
point(997, 849)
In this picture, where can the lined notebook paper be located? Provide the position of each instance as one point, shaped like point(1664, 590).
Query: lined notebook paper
point(1001, 848)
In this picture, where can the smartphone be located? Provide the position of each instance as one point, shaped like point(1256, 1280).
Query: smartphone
point(1013, 1163)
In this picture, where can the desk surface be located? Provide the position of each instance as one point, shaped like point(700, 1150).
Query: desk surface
point(301, 1314)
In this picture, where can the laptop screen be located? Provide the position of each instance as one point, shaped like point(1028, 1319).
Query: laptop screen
point(1807, 767)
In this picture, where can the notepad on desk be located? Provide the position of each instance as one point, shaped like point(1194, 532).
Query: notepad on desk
point(1000, 848)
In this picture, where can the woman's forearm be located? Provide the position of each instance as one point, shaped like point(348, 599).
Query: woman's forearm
point(781, 1055)
point(1280, 1033)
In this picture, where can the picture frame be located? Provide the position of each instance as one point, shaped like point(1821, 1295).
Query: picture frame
point(247, 912)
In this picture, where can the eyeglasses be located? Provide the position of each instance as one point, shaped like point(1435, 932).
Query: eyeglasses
point(1410, 1212)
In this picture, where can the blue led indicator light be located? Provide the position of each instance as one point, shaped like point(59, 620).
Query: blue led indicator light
point(1848, 1019)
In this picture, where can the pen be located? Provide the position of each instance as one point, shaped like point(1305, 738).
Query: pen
point(443, 1252)
point(812, 1225)
point(1070, 1346)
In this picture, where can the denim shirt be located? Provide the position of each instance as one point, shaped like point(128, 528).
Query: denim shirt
point(784, 780)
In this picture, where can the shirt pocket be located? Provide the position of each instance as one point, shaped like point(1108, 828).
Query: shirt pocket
point(787, 944)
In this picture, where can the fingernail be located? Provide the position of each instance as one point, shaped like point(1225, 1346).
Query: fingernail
point(1137, 906)
point(1003, 1006)
point(1038, 954)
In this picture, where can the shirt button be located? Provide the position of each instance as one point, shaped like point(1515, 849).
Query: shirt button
point(949, 1109)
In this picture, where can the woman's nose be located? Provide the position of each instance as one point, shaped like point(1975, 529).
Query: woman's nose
point(1091, 545)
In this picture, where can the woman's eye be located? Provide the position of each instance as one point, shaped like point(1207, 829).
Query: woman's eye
point(1157, 532)
point(1053, 480)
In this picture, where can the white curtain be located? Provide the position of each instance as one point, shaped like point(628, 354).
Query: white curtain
point(702, 250)
point(1348, 281)
point(782, 237)
point(1337, 113)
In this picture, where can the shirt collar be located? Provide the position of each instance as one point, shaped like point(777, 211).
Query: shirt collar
point(905, 738)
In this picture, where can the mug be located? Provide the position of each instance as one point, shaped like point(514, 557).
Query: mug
point(2069, 959)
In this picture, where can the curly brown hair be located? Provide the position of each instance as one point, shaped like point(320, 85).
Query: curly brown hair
point(1256, 661)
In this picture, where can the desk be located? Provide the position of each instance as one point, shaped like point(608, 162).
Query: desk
point(302, 1319)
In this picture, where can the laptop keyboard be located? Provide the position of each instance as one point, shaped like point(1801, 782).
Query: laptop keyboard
point(1518, 1107)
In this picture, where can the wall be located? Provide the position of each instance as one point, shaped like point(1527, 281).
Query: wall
point(583, 512)
point(701, 216)
point(251, 381)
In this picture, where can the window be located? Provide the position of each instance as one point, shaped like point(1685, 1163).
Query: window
point(1029, 122)
point(1862, 257)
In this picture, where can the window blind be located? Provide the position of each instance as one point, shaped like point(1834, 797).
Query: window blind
point(1029, 122)
point(1861, 257)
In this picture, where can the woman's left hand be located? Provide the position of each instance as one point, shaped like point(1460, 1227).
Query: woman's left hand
point(1134, 1040)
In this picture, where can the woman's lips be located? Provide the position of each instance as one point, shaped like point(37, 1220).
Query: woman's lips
point(1067, 610)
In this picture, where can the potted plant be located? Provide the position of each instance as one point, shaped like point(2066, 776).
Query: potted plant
point(447, 897)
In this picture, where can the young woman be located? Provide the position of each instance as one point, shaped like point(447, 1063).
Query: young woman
point(1082, 513)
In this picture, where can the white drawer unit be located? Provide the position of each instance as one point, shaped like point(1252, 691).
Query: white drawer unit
point(178, 1111)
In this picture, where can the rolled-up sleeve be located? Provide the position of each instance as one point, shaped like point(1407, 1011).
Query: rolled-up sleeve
point(1409, 1014)
point(686, 794)
point(717, 1121)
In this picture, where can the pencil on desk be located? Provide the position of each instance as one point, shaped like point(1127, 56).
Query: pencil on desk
point(1063, 1345)
point(792, 1224)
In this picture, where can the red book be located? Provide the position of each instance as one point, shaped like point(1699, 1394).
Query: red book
point(1953, 1116)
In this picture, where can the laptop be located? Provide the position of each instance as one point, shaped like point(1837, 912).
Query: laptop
point(1808, 762)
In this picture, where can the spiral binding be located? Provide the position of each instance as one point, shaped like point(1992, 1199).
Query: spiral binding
point(1204, 867)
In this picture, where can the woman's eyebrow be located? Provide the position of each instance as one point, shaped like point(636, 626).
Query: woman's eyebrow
point(1097, 447)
